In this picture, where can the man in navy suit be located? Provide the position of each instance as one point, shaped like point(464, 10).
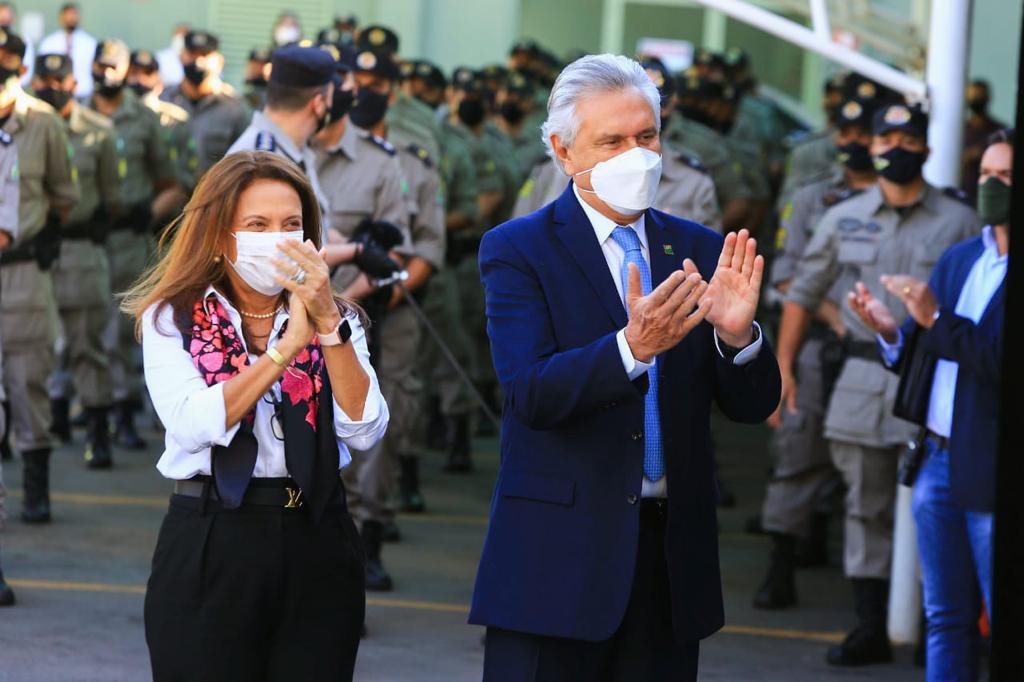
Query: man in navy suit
point(958, 319)
point(613, 327)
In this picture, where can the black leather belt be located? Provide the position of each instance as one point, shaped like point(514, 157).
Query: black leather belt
point(941, 442)
point(283, 493)
point(864, 350)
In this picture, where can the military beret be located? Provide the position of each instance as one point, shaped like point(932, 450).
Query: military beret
point(407, 68)
point(660, 76)
point(301, 67)
point(518, 84)
point(12, 42)
point(52, 65)
point(259, 54)
point(346, 58)
point(201, 41)
point(465, 78)
point(377, 38)
point(376, 62)
point(854, 112)
point(431, 74)
point(898, 116)
point(112, 52)
point(144, 59)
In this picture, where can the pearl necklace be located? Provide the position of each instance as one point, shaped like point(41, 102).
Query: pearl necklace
point(261, 316)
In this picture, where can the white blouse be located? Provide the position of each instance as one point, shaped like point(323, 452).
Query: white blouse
point(194, 414)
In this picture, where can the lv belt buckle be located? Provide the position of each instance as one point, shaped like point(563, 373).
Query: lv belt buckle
point(294, 498)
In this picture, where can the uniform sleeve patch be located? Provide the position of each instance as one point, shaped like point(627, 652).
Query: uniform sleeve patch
point(265, 142)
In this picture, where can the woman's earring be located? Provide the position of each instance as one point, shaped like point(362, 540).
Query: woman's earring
point(216, 259)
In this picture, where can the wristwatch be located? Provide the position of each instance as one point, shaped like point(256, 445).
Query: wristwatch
point(338, 337)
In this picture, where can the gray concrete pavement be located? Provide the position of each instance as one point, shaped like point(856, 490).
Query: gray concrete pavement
point(80, 581)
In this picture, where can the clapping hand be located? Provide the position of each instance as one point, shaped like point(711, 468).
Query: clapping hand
point(663, 318)
point(313, 288)
point(915, 295)
point(872, 312)
point(735, 289)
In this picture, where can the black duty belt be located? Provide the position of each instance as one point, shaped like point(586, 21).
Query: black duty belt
point(941, 442)
point(283, 493)
point(864, 350)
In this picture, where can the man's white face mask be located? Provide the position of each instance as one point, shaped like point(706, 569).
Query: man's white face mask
point(628, 183)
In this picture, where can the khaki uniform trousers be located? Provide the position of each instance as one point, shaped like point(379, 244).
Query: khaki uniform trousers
point(443, 307)
point(128, 253)
point(370, 479)
point(28, 329)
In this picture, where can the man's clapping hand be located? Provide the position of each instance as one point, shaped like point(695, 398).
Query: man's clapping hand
point(663, 318)
point(872, 312)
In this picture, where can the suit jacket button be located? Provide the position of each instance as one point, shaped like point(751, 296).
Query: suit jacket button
point(637, 435)
point(631, 499)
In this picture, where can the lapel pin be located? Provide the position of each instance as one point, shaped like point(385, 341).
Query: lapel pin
point(668, 249)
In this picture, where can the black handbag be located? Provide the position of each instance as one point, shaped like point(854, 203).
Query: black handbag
point(916, 369)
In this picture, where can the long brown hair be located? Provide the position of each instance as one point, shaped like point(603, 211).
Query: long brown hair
point(192, 245)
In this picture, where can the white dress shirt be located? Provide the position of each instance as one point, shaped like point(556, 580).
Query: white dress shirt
point(614, 256)
point(82, 53)
point(169, 63)
point(981, 284)
point(194, 414)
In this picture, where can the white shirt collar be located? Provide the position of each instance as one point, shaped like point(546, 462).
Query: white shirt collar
point(603, 226)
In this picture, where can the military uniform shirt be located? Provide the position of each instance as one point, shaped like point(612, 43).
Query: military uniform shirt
point(710, 147)
point(546, 183)
point(94, 162)
point(8, 185)
point(179, 138)
point(416, 121)
point(458, 173)
point(426, 204)
point(44, 170)
point(141, 149)
point(218, 119)
point(687, 191)
point(813, 158)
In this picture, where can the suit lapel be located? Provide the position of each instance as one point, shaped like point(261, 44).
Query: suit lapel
point(577, 235)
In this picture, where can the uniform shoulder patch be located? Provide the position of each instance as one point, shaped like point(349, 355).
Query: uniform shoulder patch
point(837, 195)
point(382, 143)
point(421, 154)
point(265, 142)
point(693, 162)
point(5, 138)
point(958, 194)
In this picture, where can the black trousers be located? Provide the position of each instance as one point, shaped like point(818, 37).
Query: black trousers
point(255, 594)
point(641, 650)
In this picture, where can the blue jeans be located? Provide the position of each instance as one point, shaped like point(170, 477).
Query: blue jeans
point(955, 545)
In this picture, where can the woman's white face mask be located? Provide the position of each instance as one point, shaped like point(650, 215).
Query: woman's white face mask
point(628, 182)
point(253, 264)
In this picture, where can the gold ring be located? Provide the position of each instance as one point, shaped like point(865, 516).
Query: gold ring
point(906, 291)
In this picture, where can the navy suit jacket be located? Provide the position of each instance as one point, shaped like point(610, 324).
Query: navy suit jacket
point(978, 348)
point(561, 546)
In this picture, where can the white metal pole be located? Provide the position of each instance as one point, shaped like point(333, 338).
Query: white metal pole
point(946, 76)
point(613, 21)
point(819, 19)
point(904, 591)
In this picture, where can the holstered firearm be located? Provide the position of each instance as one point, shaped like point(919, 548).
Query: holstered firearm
point(44, 248)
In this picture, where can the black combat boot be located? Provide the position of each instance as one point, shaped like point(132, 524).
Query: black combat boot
point(6, 593)
point(459, 457)
point(377, 579)
point(812, 551)
point(5, 442)
point(60, 427)
point(436, 427)
point(35, 481)
point(778, 591)
point(97, 448)
point(125, 434)
point(409, 485)
point(868, 643)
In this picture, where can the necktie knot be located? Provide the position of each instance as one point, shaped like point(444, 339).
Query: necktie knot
point(627, 238)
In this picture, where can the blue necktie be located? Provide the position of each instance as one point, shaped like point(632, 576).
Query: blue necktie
point(654, 464)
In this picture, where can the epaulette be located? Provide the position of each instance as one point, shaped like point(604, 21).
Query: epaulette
point(958, 194)
point(693, 162)
point(421, 154)
point(5, 138)
point(265, 142)
point(382, 143)
point(837, 195)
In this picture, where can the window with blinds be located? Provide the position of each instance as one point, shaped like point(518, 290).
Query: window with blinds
point(242, 25)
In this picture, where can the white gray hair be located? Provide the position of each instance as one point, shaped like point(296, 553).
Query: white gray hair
point(590, 75)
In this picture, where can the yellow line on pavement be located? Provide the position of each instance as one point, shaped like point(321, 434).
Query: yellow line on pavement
point(442, 607)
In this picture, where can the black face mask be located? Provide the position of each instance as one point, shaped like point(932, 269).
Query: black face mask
point(855, 156)
point(694, 114)
point(6, 75)
point(71, 28)
point(994, 201)
point(341, 104)
point(978, 105)
point(140, 89)
point(257, 82)
point(368, 108)
point(105, 89)
point(57, 99)
point(194, 74)
point(512, 112)
point(900, 165)
point(471, 112)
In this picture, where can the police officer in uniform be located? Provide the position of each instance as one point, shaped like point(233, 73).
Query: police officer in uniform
point(802, 474)
point(28, 307)
point(902, 224)
point(8, 233)
point(144, 79)
point(82, 274)
point(255, 93)
point(517, 118)
point(218, 116)
point(145, 171)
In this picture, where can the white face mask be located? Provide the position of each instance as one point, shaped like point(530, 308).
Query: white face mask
point(177, 42)
point(253, 265)
point(628, 182)
point(287, 34)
